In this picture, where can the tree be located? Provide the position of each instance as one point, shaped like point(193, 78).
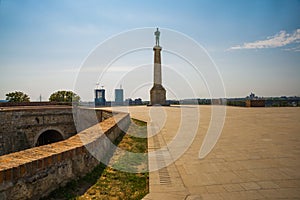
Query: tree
point(17, 97)
point(64, 96)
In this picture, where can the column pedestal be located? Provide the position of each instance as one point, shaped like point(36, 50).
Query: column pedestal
point(158, 95)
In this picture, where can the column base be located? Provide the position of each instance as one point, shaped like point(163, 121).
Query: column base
point(158, 96)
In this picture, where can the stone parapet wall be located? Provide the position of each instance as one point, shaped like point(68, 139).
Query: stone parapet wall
point(35, 172)
point(43, 103)
point(20, 127)
point(87, 117)
point(256, 103)
point(247, 103)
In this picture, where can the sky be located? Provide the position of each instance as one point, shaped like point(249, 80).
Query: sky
point(252, 46)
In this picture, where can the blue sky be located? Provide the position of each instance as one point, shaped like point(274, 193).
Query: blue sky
point(255, 44)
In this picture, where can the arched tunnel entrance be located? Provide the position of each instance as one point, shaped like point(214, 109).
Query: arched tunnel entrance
point(48, 137)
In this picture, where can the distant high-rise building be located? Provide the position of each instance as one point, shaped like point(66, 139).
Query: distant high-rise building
point(100, 97)
point(119, 96)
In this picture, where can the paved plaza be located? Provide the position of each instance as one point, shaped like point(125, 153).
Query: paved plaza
point(256, 157)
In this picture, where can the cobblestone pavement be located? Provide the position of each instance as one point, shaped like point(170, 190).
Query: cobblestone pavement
point(256, 157)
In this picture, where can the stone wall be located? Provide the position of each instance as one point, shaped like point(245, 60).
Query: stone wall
point(43, 103)
point(87, 117)
point(247, 103)
point(20, 127)
point(35, 172)
point(255, 103)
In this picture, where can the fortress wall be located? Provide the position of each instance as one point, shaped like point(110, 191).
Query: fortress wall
point(256, 103)
point(35, 172)
point(87, 117)
point(19, 127)
point(32, 103)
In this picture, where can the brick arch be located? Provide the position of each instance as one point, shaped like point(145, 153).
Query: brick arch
point(56, 132)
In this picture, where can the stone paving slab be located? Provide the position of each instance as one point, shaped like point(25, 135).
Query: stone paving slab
point(256, 157)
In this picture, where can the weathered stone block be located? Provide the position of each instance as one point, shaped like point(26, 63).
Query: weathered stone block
point(1, 177)
point(158, 95)
point(23, 170)
point(8, 175)
point(16, 173)
point(39, 164)
point(34, 166)
point(47, 161)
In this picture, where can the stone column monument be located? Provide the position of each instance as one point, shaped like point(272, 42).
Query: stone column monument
point(158, 92)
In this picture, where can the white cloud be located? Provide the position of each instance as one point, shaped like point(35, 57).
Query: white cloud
point(296, 48)
point(278, 40)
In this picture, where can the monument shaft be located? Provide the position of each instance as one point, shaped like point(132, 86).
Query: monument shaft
point(157, 65)
point(158, 92)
